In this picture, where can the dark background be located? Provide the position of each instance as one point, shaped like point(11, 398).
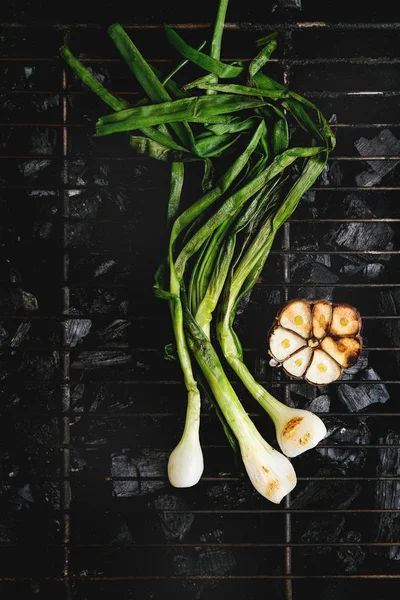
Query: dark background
point(89, 408)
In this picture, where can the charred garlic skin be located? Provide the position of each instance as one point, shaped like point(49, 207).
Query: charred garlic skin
point(316, 340)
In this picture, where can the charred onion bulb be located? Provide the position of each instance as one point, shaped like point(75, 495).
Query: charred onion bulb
point(316, 340)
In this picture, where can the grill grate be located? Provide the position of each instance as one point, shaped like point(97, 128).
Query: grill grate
point(115, 520)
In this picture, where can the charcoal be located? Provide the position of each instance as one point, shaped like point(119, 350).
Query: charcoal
point(319, 530)
point(104, 267)
point(84, 206)
point(29, 302)
point(359, 236)
point(149, 463)
point(304, 390)
point(6, 534)
point(4, 336)
point(389, 305)
point(370, 272)
point(351, 558)
point(386, 525)
point(98, 359)
point(113, 330)
point(310, 271)
point(75, 330)
point(175, 525)
point(318, 494)
point(358, 397)
point(287, 5)
point(78, 234)
point(20, 334)
point(361, 365)
point(43, 141)
point(385, 144)
point(346, 458)
point(320, 404)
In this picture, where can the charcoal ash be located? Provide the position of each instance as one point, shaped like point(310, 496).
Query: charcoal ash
point(351, 558)
point(359, 236)
point(320, 404)
point(384, 144)
point(386, 525)
point(326, 493)
point(99, 359)
point(346, 458)
point(358, 397)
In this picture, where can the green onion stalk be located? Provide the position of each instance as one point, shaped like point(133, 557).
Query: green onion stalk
point(218, 244)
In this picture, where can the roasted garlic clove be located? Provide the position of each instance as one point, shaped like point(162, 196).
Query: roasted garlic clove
point(321, 318)
point(345, 350)
point(283, 343)
point(297, 364)
point(296, 316)
point(345, 321)
point(323, 369)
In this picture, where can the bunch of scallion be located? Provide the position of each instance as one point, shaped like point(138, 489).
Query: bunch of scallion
point(233, 115)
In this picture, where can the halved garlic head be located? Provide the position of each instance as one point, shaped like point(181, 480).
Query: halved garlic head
point(316, 340)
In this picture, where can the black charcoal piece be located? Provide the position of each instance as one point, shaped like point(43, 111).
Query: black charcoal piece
point(75, 330)
point(311, 271)
point(29, 302)
point(361, 365)
point(43, 141)
point(4, 336)
point(326, 493)
point(148, 464)
point(359, 236)
point(104, 267)
point(351, 558)
point(370, 272)
point(320, 404)
point(386, 525)
point(389, 305)
point(98, 359)
point(175, 517)
point(114, 330)
point(385, 144)
point(358, 397)
point(327, 531)
point(346, 458)
point(20, 334)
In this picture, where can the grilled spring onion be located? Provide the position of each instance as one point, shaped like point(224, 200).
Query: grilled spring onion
point(219, 244)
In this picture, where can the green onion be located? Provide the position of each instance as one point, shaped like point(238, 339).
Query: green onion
point(219, 243)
